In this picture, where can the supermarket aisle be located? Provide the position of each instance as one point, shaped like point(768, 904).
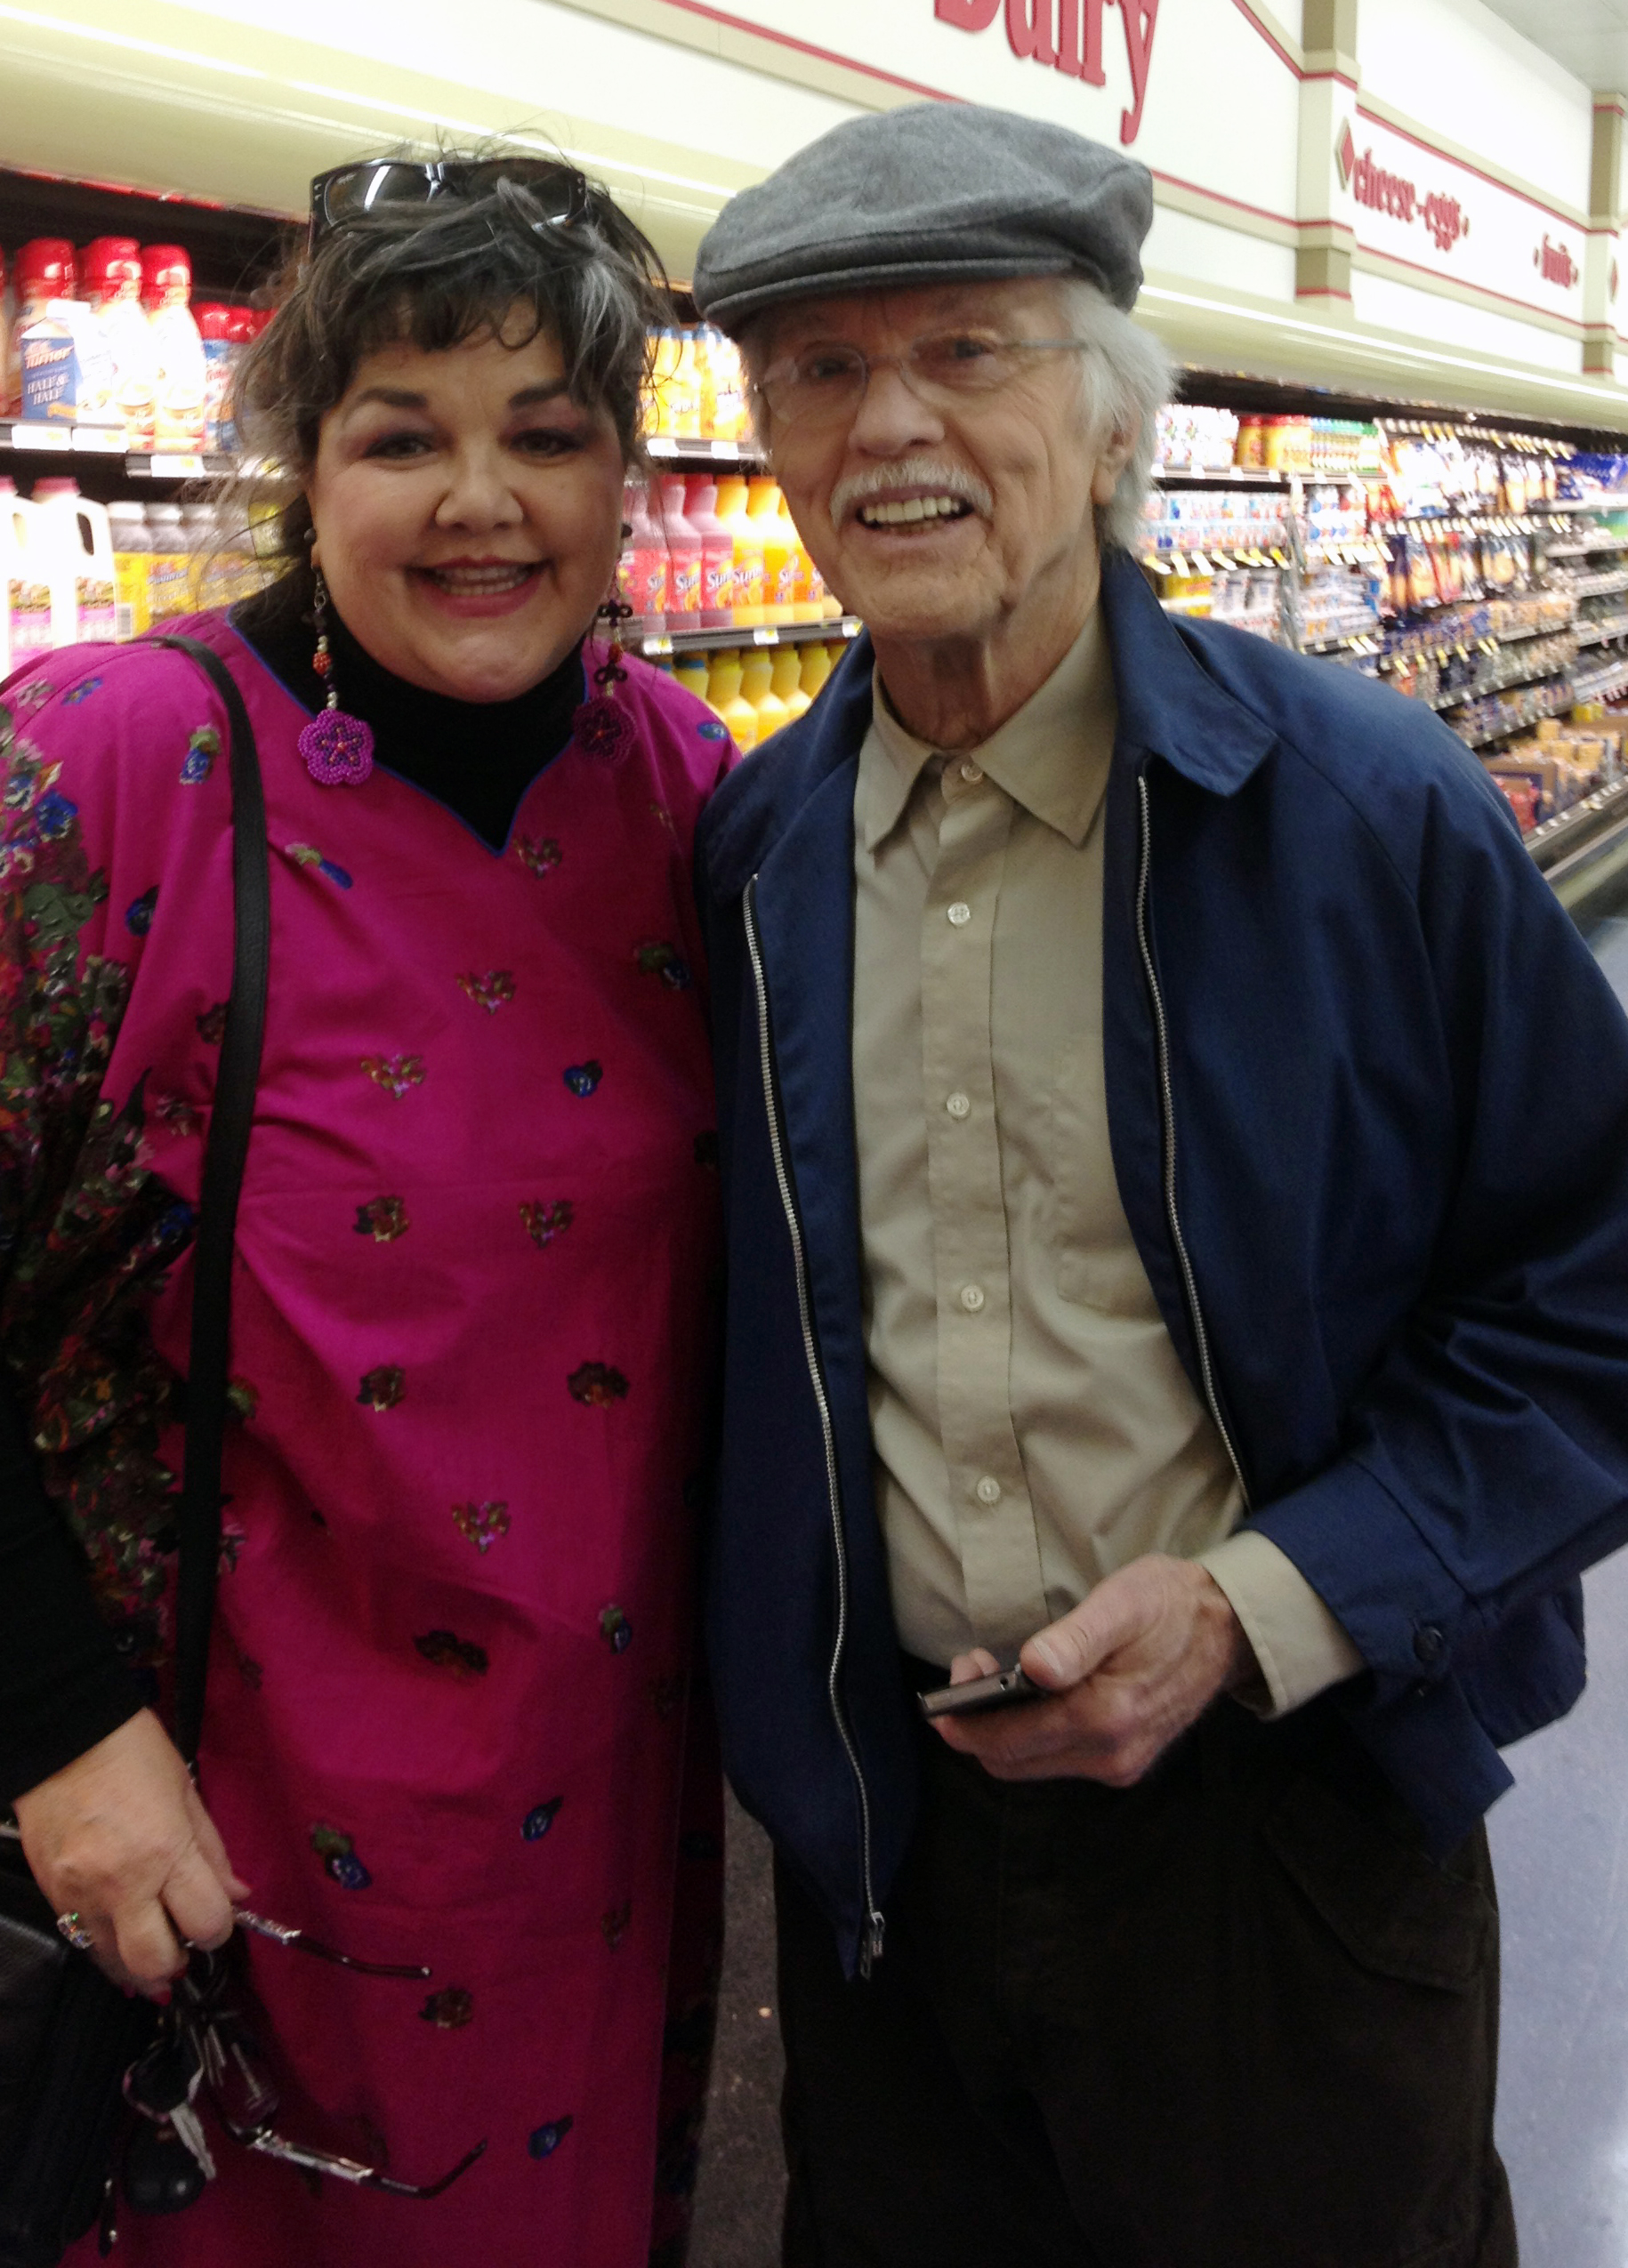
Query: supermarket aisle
point(1560, 1844)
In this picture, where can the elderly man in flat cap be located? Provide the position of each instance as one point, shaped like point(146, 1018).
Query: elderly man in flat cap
point(1176, 1156)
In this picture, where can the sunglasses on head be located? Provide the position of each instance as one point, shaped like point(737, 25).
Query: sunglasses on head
point(350, 192)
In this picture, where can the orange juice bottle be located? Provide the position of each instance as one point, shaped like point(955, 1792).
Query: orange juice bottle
point(686, 396)
point(786, 682)
point(779, 556)
point(691, 671)
point(757, 687)
point(817, 662)
point(808, 590)
point(723, 691)
point(747, 537)
point(664, 370)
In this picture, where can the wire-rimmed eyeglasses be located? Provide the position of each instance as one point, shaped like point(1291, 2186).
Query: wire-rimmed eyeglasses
point(824, 384)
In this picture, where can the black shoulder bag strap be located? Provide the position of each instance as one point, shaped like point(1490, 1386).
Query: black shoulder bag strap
point(230, 1122)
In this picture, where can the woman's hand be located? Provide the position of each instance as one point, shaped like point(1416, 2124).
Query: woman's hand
point(120, 1836)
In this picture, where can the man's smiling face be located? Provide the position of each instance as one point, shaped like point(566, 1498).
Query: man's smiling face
point(944, 517)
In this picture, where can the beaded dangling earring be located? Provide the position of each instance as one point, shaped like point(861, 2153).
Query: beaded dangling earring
point(602, 727)
point(337, 748)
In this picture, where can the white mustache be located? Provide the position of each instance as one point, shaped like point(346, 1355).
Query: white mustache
point(910, 472)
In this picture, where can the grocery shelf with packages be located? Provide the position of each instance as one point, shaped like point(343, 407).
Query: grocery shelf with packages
point(1480, 572)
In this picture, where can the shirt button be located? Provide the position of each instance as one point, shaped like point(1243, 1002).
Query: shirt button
point(960, 914)
point(988, 1490)
point(958, 1105)
point(971, 1296)
point(973, 773)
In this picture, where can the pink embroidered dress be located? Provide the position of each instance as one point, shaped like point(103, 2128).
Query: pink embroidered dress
point(471, 1338)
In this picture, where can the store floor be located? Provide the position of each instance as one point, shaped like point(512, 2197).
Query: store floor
point(1560, 1842)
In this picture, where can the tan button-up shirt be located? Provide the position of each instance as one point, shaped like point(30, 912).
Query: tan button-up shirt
point(1034, 1429)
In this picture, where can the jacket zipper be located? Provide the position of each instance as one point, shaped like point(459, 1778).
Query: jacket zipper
point(1201, 1338)
point(871, 1936)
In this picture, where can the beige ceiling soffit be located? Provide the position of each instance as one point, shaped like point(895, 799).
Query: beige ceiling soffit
point(302, 106)
point(1277, 33)
point(756, 50)
point(1401, 271)
point(1255, 337)
point(1199, 205)
point(1390, 115)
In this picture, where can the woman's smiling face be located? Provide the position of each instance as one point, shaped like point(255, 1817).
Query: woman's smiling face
point(467, 513)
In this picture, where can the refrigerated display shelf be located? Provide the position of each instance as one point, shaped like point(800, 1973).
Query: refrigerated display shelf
point(666, 448)
point(1560, 697)
point(1599, 685)
point(33, 438)
point(1594, 586)
point(1457, 698)
point(1596, 633)
point(1598, 543)
point(1232, 477)
point(658, 644)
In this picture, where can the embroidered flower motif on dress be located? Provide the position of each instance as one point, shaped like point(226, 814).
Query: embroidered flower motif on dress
point(545, 2140)
point(444, 1650)
point(597, 1384)
point(306, 854)
point(81, 692)
point(665, 818)
point(337, 1852)
point(177, 1114)
point(615, 1629)
point(233, 1537)
point(139, 913)
point(34, 695)
point(582, 1078)
point(396, 1074)
point(545, 1222)
point(614, 1924)
point(709, 729)
point(658, 959)
point(491, 990)
point(383, 1387)
point(202, 749)
point(450, 2008)
point(482, 1524)
point(212, 1024)
point(540, 1818)
point(53, 815)
point(538, 854)
point(383, 1218)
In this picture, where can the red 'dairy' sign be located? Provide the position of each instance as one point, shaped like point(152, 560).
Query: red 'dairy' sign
point(1067, 36)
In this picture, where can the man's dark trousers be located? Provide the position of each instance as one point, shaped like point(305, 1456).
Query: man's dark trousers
point(1234, 2018)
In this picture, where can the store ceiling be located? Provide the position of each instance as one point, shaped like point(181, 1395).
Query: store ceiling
point(1588, 38)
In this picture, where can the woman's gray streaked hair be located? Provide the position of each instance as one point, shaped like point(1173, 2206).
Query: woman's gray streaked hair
point(435, 276)
point(1128, 378)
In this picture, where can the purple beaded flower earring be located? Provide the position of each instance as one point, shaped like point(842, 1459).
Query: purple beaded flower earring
point(337, 748)
point(602, 727)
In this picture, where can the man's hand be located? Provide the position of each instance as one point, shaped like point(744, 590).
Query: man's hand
point(1131, 1667)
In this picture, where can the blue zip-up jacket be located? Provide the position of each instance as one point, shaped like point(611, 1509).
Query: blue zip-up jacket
point(1367, 1094)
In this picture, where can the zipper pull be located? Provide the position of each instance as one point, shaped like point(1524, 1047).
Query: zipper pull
point(870, 1942)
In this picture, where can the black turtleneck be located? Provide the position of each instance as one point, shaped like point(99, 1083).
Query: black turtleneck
point(477, 758)
point(63, 1683)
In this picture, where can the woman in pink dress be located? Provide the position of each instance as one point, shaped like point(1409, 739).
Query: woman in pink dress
point(448, 1715)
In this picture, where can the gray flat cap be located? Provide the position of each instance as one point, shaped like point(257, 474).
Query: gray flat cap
point(933, 193)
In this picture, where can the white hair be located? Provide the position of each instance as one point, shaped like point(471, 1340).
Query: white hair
point(1126, 378)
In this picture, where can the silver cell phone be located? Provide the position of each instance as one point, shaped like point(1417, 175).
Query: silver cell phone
point(978, 1694)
